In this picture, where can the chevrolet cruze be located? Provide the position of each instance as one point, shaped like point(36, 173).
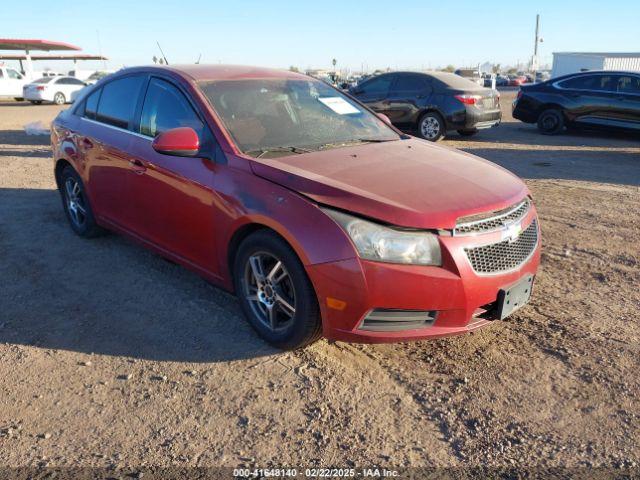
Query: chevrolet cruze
point(319, 215)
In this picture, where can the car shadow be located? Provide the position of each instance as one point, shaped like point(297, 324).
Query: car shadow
point(20, 137)
point(107, 295)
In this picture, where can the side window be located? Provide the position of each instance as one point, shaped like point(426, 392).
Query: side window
point(379, 85)
point(118, 101)
point(165, 107)
point(91, 104)
point(628, 84)
point(61, 81)
point(410, 83)
point(13, 74)
point(1, 74)
point(74, 81)
point(590, 82)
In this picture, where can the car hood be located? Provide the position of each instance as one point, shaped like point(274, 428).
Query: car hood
point(409, 183)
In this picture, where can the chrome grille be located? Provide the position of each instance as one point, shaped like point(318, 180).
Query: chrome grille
point(492, 221)
point(506, 255)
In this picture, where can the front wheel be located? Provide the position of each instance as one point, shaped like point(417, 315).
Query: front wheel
point(431, 127)
point(551, 121)
point(275, 292)
point(59, 98)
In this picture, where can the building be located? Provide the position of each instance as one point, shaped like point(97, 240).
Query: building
point(573, 62)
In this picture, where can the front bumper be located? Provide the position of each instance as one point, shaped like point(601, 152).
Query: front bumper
point(349, 289)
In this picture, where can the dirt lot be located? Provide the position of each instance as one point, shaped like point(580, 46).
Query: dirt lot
point(112, 357)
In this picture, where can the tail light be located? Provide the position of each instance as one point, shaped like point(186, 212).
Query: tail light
point(40, 89)
point(468, 99)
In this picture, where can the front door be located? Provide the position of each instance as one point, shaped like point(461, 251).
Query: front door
point(174, 195)
point(374, 93)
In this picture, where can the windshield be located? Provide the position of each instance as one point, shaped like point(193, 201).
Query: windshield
point(279, 116)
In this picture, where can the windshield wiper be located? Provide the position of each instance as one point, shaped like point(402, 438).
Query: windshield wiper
point(264, 151)
point(353, 141)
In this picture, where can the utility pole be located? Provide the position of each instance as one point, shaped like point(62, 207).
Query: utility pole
point(534, 60)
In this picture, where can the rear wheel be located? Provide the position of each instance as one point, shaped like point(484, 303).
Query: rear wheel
point(469, 132)
point(551, 121)
point(275, 292)
point(76, 204)
point(59, 98)
point(431, 126)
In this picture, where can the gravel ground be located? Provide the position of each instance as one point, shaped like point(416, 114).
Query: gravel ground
point(112, 357)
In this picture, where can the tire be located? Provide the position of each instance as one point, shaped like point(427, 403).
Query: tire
point(431, 126)
point(59, 98)
point(282, 306)
point(468, 133)
point(551, 122)
point(76, 205)
point(18, 99)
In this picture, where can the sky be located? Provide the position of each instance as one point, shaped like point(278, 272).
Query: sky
point(374, 34)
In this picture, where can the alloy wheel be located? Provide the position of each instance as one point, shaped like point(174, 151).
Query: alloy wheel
point(549, 122)
point(59, 99)
point(76, 205)
point(430, 127)
point(269, 289)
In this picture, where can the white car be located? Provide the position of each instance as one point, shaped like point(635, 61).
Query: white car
point(59, 90)
point(11, 82)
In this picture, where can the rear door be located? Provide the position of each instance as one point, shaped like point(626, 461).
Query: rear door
point(174, 195)
point(104, 141)
point(407, 96)
point(375, 91)
point(591, 99)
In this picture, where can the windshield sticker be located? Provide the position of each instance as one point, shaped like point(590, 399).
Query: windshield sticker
point(339, 105)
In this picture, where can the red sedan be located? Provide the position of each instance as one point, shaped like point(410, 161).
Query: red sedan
point(323, 218)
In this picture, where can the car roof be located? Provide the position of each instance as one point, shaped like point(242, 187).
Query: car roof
point(222, 72)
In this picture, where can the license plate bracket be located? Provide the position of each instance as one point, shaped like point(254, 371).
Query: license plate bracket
point(514, 297)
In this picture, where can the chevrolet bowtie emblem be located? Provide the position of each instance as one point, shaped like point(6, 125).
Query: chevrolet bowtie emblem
point(512, 232)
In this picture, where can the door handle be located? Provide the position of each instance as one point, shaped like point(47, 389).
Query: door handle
point(137, 165)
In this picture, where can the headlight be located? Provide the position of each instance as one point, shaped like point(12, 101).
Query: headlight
point(384, 244)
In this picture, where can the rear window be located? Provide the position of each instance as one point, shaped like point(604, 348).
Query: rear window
point(118, 101)
point(43, 80)
point(453, 81)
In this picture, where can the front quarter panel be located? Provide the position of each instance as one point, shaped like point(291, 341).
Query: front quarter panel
point(246, 199)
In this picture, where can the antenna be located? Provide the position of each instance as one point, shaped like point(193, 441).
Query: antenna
point(163, 55)
point(104, 62)
point(198, 61)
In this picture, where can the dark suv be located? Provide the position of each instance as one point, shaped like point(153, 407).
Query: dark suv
point(433, 103)
point(609, 100)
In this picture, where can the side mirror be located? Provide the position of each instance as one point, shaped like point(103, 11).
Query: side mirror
point(384, 118)
point(179, 142)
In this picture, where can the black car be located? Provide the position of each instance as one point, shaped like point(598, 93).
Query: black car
point(431, 103)
point(609, 100)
